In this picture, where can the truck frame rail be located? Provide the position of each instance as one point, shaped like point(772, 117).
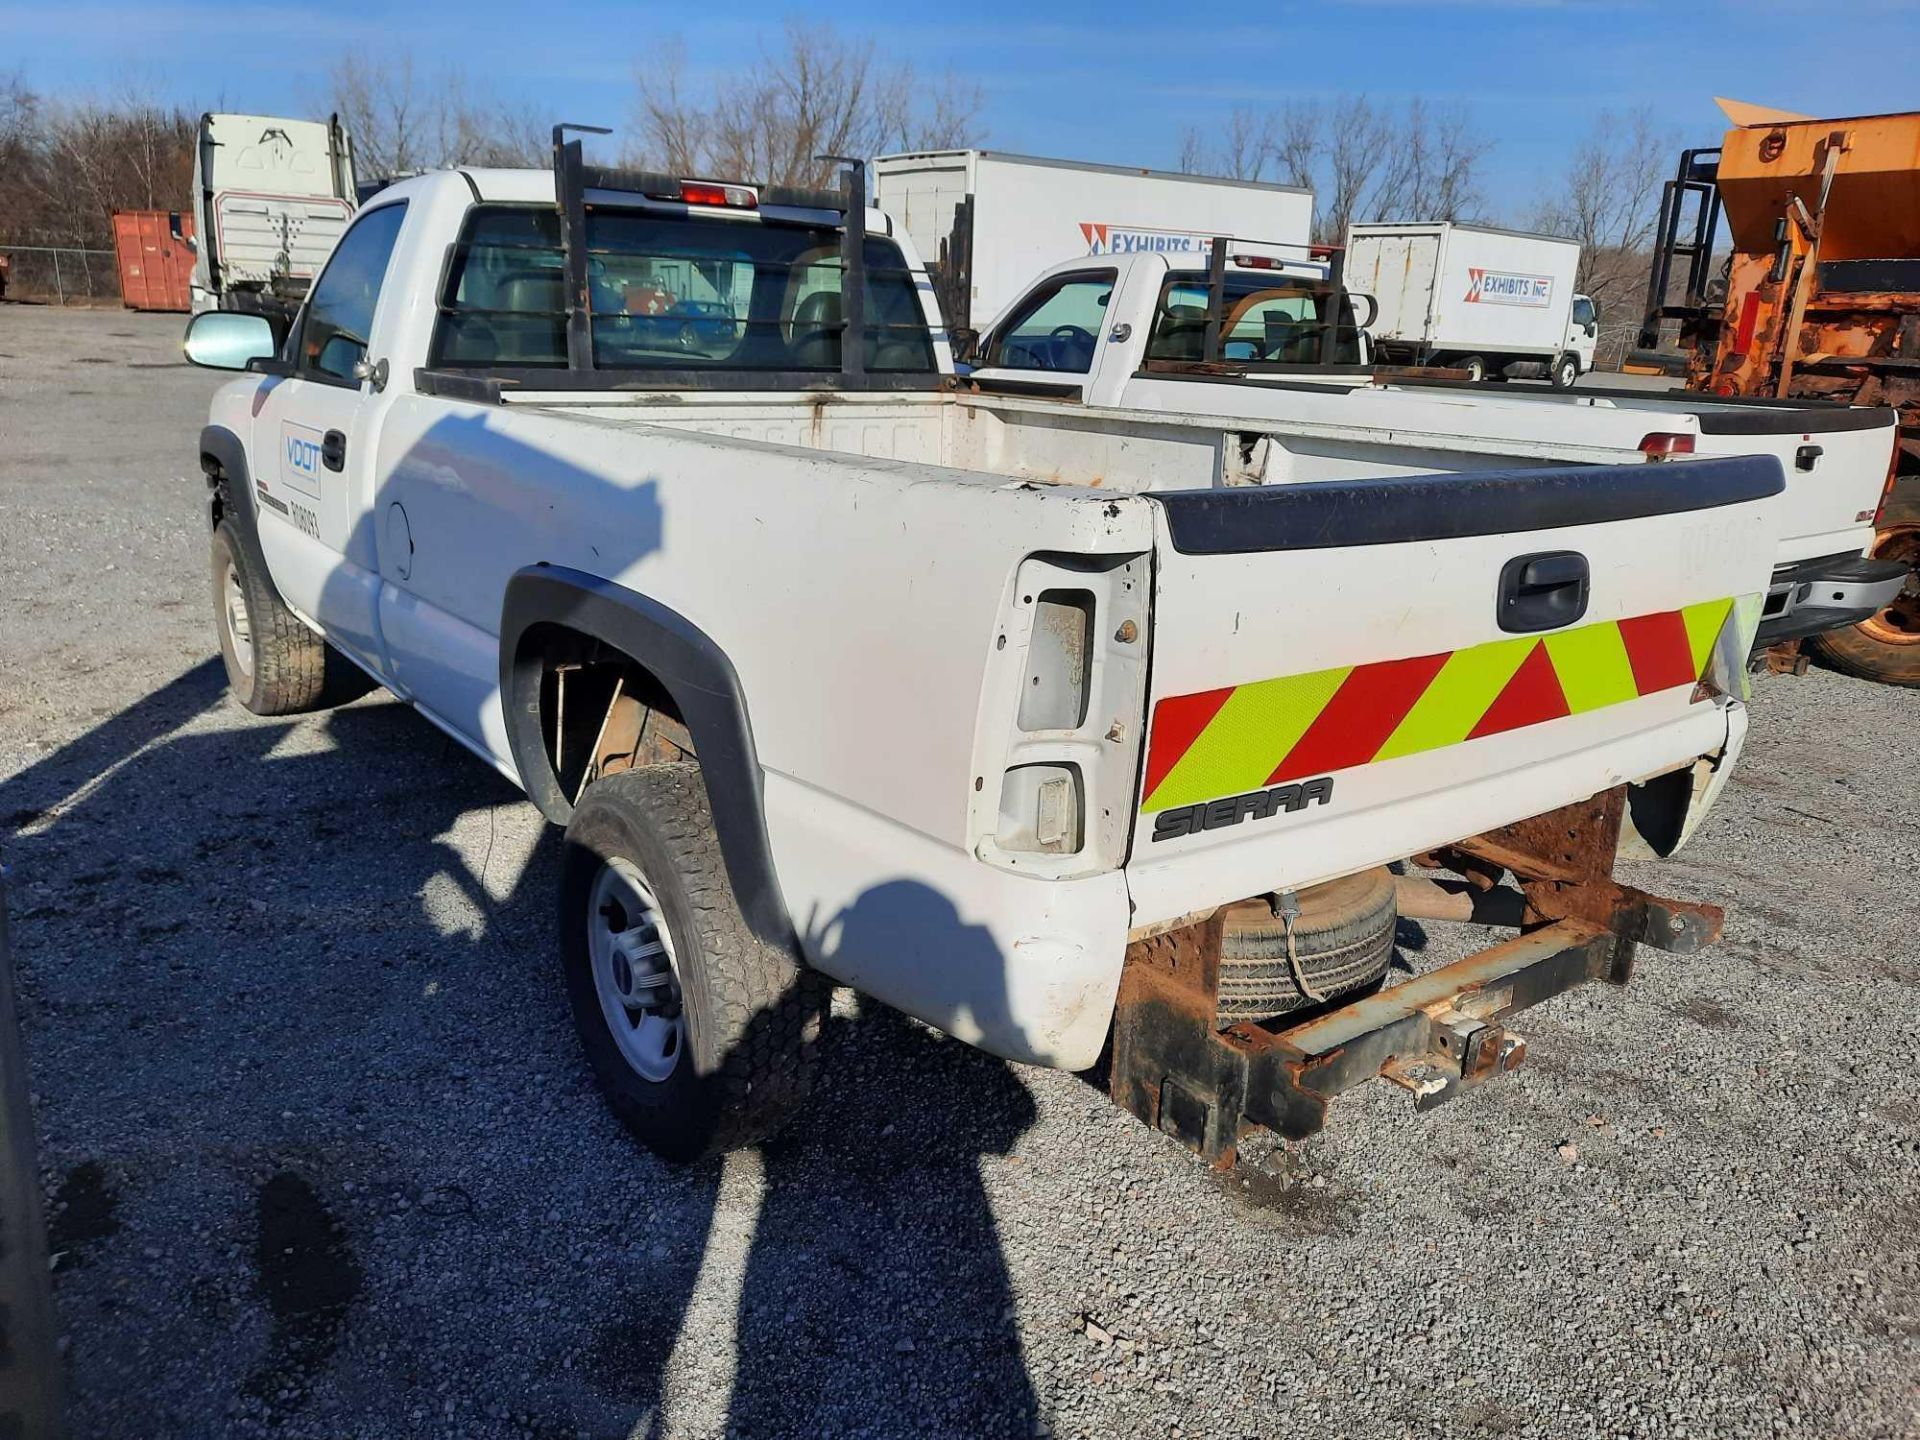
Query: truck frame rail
point(1435, 1035)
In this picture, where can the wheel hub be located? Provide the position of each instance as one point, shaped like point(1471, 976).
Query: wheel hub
point(239, 627)
point(635, 973)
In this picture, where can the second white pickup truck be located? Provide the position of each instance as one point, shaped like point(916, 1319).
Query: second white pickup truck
point(1034, 722)
point(1131, 332)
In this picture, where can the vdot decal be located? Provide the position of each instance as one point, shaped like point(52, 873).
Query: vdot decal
point(300, 459)
point(1502, 287)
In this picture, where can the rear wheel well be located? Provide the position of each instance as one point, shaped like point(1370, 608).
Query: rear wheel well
point(601, 710)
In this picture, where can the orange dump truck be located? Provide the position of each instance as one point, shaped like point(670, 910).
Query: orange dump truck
point(1819, 299)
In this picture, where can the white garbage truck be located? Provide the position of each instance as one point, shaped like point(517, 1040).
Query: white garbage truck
point(1498, 304)
point(271, 197)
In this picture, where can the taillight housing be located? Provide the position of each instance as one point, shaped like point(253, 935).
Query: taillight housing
point(1665, 444)
point(1063, 709)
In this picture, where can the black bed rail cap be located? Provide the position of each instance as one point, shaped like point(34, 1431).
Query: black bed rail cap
point(1322, 514)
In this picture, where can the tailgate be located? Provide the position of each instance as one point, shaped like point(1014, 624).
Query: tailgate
point(1332, 688)
point(1836, 463)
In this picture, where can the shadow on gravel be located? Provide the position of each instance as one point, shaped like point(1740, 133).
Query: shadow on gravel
point(361, 1182)
point(26, 797)
point(877, 1298)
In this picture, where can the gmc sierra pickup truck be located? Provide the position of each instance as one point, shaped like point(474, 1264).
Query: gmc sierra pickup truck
point(1131, 332)
point(1054, 728)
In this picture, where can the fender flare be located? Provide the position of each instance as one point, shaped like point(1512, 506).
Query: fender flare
point(698, 676)
point(223, 448)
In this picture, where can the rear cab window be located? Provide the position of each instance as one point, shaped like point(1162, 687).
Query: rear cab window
point(671, 292)
point(1268, 319)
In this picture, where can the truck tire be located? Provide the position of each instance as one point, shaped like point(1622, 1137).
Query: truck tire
point(275, 664)
point(1565, 371)
point(700, 1035)
point(1887, 647)
point(29, 1348)
point(1475, 366)
point(1343, 938)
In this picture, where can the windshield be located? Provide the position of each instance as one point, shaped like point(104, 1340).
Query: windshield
point(672, 293)
point(1268, 319)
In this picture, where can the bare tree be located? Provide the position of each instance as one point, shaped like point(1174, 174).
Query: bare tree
point(1297, 143)
point(1611, 203)
point(1363, 160)
point(818, 94)
point(402, 122)
point(64, 169)
point(1357, 139)
point(1431, 170)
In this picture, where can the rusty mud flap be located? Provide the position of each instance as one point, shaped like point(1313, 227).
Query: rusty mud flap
point(1434, 1035)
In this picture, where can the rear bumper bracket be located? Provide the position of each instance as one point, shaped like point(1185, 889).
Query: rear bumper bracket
point(1436, 1035)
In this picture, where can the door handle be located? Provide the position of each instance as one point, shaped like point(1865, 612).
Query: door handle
point(333, 450)
point(1542, 591)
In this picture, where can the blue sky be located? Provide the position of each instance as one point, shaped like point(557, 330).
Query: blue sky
point(1114, 82)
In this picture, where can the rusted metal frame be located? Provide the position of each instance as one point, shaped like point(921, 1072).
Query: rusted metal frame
point(1331, 300)
point(570, 200)
point(1169, 1067)
point(1435, 1035)
point(1563, 861)
point(1811, 226)
point(1216, 300)
point(853, 273)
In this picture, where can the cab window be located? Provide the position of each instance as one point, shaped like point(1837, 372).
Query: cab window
point(1583, 311)
point(339, 321)
point(1058, 328)
point(672, 293)
point(1265, 320)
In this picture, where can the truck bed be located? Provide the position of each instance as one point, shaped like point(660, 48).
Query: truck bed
point(1002, 437)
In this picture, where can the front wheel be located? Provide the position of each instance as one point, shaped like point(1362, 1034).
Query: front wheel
point(1886, 647)
point(1566, 370)
point(699, 1033)
point(275, 664)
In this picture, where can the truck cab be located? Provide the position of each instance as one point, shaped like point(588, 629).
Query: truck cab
point(1085, 327)
point(1583, 332)
point(271, 198)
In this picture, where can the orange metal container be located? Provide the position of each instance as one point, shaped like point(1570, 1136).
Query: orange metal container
point(156, 270)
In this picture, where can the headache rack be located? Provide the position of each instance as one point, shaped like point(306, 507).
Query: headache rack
point(632, 189)
point(1331, 294)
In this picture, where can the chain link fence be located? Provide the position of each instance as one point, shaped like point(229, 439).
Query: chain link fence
point(62, 274)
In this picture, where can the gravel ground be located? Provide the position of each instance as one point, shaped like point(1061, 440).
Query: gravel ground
point(323, 1158)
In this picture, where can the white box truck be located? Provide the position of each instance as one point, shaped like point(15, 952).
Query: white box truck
point(271, 197)
point(988, 222)
point(1496, 303)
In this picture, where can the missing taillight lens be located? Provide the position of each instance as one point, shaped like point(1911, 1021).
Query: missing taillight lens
point(1054, 694)
point(1664, 444)
point(1042, 808)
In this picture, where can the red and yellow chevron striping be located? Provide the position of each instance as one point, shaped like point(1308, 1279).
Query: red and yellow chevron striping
point(1266, 732)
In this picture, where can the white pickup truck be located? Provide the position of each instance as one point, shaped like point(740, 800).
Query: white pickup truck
point(1131, 332)
point(1050, 726)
